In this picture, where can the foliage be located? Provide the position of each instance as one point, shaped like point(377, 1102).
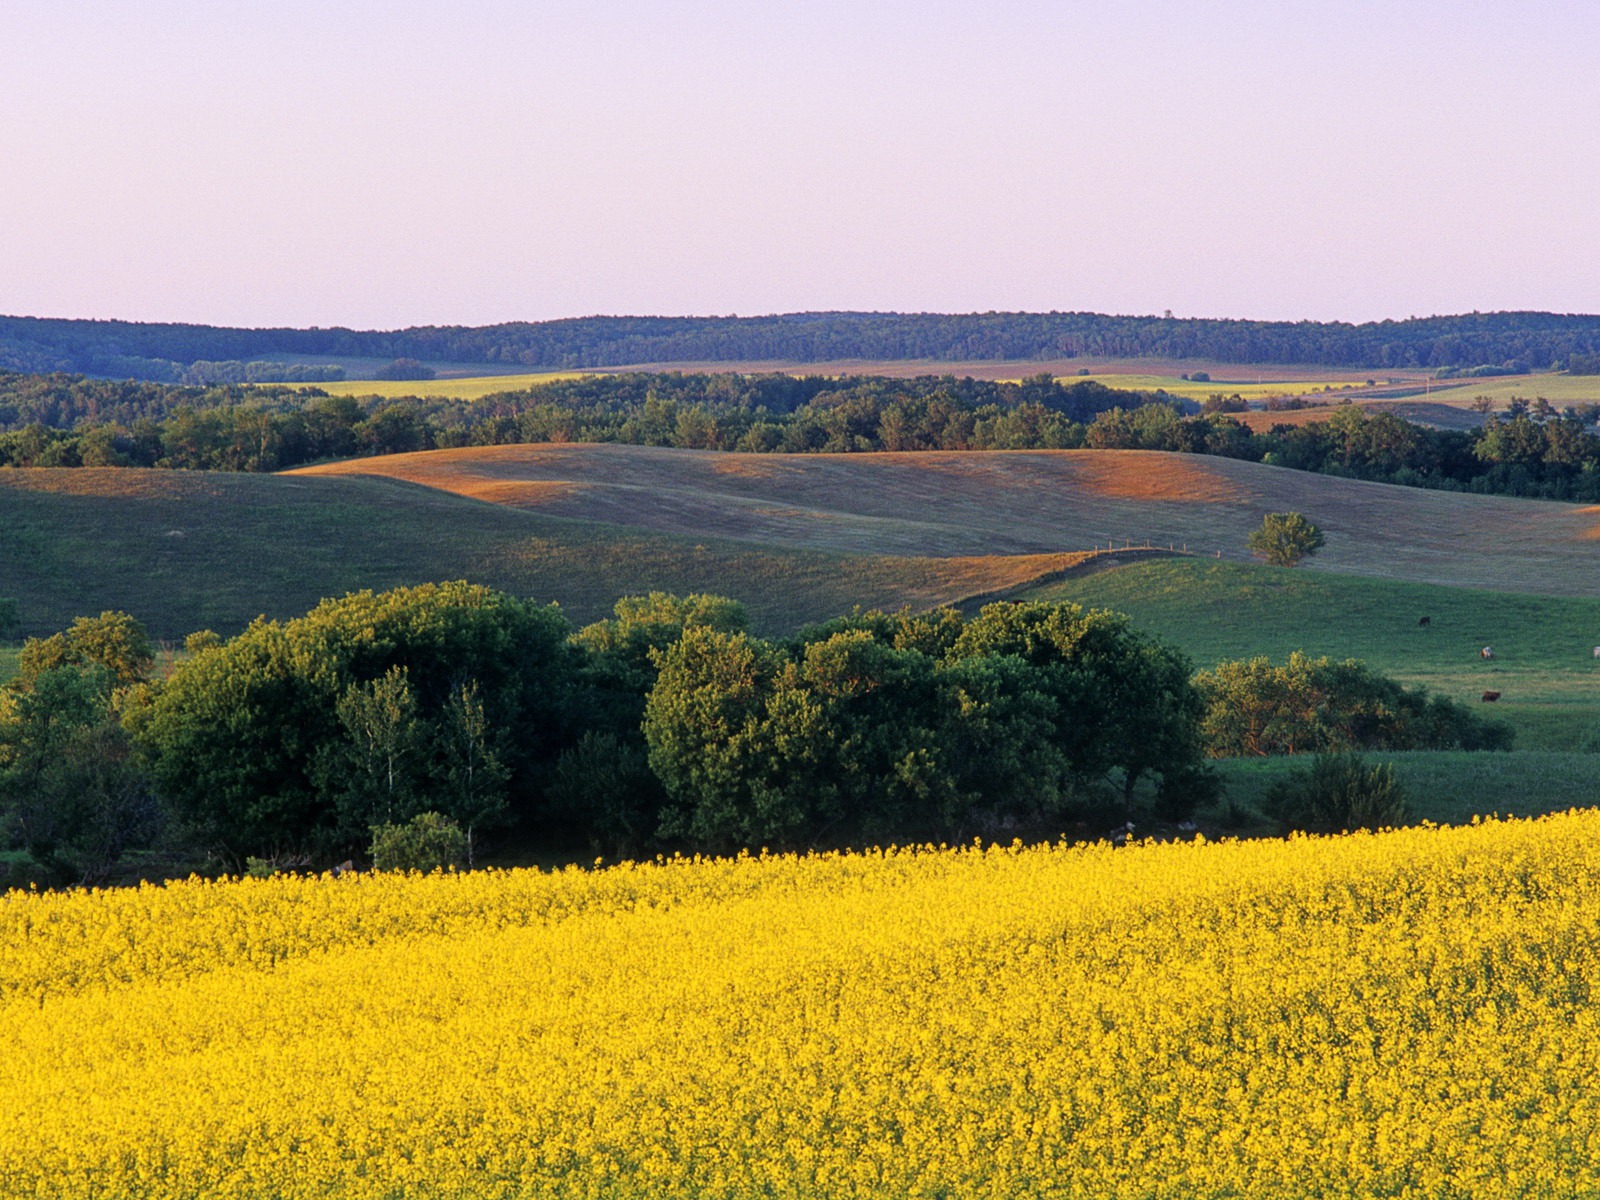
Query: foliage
point(877, 724)
point(404, 368)
point(1284, 539)
point(1124, 706)
point(1311, 705)
point(71, 793)
point(1177, 1019)
point(113, 640)
point(64, 421)
point(426, 842)
point(120, 348)
point(372, 706)
point(1338, 793)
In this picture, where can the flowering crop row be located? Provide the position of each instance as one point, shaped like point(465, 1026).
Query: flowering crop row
point(1403, 1014)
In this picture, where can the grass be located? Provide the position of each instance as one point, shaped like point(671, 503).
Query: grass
point(1446, 787)
point(184, 551)
point(8, 663)
point(1023, 502)
point(1544, 664)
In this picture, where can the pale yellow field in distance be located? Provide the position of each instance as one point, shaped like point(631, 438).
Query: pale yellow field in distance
point(470, 387)
point(1248, 389)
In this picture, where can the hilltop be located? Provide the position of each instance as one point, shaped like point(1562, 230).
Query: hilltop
point(947, 504)
point(186, 550)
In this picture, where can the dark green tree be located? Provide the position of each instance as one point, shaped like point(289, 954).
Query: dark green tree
point(243, 735)
point(71, 792)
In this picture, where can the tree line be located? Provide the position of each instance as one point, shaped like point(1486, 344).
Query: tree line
point(669, 726)
point(162, 351)
point(1531, 449)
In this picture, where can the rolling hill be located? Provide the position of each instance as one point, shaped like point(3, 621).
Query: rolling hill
point(190, 550)
point(952, 504)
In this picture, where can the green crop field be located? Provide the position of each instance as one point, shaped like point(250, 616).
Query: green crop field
point(1543, 665)
point(188, 550)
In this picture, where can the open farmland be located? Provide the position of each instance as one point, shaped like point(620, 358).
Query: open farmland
point(1543, 665)
point(1447, 787)
point(1406, 1014)
point(1434, 413)
point(189, 550)
point(1022, 502)
point(451, 387)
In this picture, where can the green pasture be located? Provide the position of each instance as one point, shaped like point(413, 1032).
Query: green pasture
point(1448, 787)
point(8, 662)
point(184, 551)
point(1543, 665)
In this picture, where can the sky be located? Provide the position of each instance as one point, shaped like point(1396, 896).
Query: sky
point(379, 165)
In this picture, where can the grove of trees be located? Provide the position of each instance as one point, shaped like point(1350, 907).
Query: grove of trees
point(1531, 449)
point(669, 726)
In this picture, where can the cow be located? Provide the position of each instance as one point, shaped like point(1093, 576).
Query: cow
point(1490, 697)
point(1486, 652)
point(1425, 622)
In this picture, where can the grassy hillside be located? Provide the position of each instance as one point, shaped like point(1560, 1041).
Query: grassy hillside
point(1023, 502)
point(1450, 787)
point(184, 551)
point(1543, 665)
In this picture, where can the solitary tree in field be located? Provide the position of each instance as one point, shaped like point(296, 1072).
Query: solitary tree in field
point(1285, 538)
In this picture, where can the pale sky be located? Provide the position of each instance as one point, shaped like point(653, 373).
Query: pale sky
point(381, 165)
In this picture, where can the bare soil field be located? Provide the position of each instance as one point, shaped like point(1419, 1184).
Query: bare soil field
point(953, 504)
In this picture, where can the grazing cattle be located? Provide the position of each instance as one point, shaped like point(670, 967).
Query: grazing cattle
point(1597, 651)
point(1490, 697)
point(1425, 622)
point(1486, 652)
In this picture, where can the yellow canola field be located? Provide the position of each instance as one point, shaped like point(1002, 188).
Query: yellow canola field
point(1404, 1014)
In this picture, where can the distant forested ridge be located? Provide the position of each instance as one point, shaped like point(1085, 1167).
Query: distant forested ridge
point(121, 349)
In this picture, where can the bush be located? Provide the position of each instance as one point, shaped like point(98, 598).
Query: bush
point(1308, 705)
point(1338, 794)
point(427, 842)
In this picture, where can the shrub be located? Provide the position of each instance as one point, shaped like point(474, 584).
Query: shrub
point(427, 842)
point(1311, 705)
point(1339, 793)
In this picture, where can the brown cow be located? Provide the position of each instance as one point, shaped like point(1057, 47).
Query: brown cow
point(1490, 697)
point(1425, 622)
